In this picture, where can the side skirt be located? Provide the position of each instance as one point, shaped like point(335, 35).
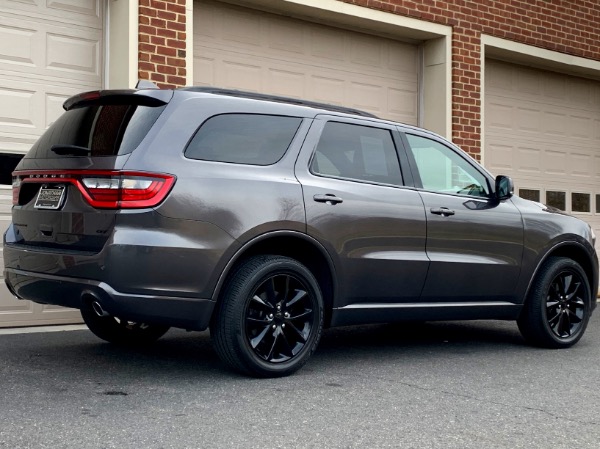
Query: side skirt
point(385, 313)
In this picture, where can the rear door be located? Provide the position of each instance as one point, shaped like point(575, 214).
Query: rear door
point(358, 208)
point(474, 242)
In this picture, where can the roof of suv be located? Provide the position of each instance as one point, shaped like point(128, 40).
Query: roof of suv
point(278, 99)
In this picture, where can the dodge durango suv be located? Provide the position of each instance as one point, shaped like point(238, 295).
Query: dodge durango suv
point(267, 219)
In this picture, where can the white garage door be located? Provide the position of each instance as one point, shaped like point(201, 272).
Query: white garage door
point(49, 50)
point(543, 129)
point(245, 49)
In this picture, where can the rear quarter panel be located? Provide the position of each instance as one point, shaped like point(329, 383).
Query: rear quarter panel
point(244, 201)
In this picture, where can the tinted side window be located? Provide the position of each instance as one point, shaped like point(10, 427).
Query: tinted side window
point(357, 152)
point(442, 170)
point(243, 138)
point(107, 130)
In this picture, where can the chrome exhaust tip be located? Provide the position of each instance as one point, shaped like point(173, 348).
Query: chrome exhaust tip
point(98, 309)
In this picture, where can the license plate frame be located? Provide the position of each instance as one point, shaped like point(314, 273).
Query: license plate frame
point(50, 197)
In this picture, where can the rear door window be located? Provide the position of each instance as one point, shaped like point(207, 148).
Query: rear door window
point(356, 152)
point(105, 130)
point(253, 139)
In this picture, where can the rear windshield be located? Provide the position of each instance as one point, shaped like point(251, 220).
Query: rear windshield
point(252, 139)
point(106, 130)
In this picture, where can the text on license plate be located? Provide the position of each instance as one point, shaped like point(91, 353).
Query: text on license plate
point(50, 197)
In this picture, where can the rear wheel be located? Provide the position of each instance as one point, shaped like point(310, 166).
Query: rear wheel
point(557, 309)
point(119, 331)
point(270, 317)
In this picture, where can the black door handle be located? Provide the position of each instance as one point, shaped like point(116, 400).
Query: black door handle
point(328, 198)
point(443, 211)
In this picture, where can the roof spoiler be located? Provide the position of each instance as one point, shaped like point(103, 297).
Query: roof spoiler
point(148, 97)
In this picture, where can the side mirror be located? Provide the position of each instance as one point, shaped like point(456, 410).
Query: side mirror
point(505, 188)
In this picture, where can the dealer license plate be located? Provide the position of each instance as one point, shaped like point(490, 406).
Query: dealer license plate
point(50, 197)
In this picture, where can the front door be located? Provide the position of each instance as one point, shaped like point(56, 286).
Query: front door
point(474, 242)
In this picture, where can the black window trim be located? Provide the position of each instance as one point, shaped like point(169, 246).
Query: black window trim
point(418, 184)
point(322, 121)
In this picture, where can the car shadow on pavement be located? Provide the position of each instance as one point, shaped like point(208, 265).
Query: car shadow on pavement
point(186, 354)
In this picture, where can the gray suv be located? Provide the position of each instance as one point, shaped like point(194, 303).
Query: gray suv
point(268, 219)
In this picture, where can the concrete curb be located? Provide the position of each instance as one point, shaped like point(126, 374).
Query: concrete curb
point(40, 329)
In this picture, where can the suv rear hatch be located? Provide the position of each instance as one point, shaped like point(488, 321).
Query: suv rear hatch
point(70, 185)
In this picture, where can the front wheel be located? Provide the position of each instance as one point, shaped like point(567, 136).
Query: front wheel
point(269, 318)
point(558, 307)
point(119, 331)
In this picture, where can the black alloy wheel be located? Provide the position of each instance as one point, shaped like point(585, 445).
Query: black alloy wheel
point(279, 318)
point(557, 309)
point(565, 305)
point(270, 317)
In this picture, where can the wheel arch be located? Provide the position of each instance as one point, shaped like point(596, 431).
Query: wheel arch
point(575, 251)
point(295, 245)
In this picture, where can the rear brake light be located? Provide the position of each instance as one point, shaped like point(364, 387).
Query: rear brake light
point(105, 189)
point(16, 189)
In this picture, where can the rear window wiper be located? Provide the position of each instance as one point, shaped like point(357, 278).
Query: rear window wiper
point(74, 150)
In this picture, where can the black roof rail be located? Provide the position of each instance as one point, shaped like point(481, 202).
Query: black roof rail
point(278, 99)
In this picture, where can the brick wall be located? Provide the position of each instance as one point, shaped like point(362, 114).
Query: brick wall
point(567, 26)
point(162, 42)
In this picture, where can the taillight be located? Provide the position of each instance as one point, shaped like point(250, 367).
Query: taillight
point(16, 188)
point(105, 189)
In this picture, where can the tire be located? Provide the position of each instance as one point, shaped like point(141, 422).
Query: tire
point(270, 317)
point(118, 331)
point(558, 306)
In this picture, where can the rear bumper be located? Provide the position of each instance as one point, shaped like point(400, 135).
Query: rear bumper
point(183, 312)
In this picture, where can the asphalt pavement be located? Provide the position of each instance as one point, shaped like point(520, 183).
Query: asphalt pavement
point(434, 385)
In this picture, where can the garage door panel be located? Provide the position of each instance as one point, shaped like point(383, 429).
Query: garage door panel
point(16, 106)
point(581, 166)
point(402, 103)
point(527, 83)
point(327, 89)
point(499, 157)
point(86, 13)
point(581, 127)
point(286, 83)
point(89, 8)
point(554, 122)
point(245, 49)
point(16, 44)
point(528, 119)
point(285, 37)
point(327, 44)
point(49, 49)
point(366, 51)
point(205, 71)
point(80, 57)
point(530, 160)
